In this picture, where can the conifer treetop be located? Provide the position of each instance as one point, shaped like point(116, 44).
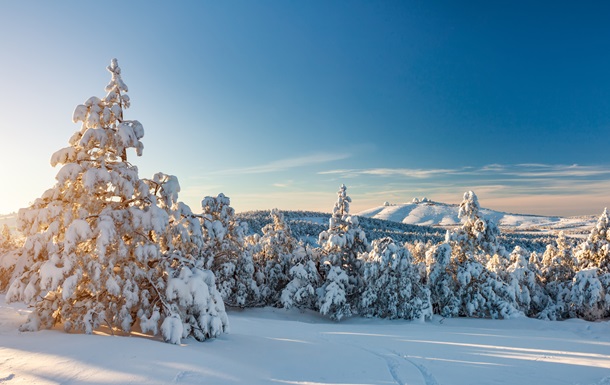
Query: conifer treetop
point(105, 134)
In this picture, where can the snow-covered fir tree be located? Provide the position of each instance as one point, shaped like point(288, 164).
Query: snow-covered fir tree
point(7, 240)
point(96, 247)
point(341, 266)
point(522, 281)
point(273, 255)
point(595, 251)
point(225, 252)
point(9, 257)
point(393, 287)
point(590, 291)
point(304, 278)
point(589, 295)
point(482, 292)
point(477, 235)
point(442, 281)
point(178, 282)
point(556, 272)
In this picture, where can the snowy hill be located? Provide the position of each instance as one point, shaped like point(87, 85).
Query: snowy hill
point(439, 214)
point(274, 346)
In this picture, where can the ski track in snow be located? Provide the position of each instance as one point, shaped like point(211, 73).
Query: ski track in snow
point(428, 377)
point(7, 378)
point(404, 374)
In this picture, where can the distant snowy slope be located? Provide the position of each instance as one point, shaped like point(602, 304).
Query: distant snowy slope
point(9, 219)
point(442, 214)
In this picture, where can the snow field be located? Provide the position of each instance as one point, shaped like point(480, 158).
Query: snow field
point(275, 346)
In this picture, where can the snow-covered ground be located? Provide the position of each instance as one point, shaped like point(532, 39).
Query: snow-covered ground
point(443, 214)
point(274, 346)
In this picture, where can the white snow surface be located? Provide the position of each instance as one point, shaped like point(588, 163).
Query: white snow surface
point(442, 214)
point(275, 346)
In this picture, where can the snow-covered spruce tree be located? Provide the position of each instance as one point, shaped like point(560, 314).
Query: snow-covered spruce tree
point(556, 272)
point(93, 241)
point(225, 253)
point(182, 291)
point(273, 255)
point(341, 267)
point(9, 256)
point(524, 287)
point(589, 295)
point(442, 281)
point(477, 235)
point(393, 285)
point(590, 292)
point(300, 292)
point(595, 251)
point(481, 291)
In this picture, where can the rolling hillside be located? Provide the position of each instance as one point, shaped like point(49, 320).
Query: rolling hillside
point(446, 215)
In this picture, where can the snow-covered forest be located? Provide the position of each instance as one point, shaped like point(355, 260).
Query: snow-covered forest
point(107, 248)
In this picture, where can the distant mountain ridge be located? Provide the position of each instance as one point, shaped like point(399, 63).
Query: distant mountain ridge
point(438, 214)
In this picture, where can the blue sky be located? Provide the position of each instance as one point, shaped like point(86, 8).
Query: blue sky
point(277, 103)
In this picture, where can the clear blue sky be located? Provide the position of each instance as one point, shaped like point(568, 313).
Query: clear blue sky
point(276, 103)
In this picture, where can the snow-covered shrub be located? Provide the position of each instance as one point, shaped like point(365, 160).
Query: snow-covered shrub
point(103, 247)
point(393, 287)
point(341, 247)
point(225, 253)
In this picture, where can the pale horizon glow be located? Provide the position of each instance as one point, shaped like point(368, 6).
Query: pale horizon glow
point(276, 104)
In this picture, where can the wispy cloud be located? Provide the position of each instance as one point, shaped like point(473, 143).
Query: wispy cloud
point(285, 164)
point(559, 171)
point(388, 172)
point(526, 171)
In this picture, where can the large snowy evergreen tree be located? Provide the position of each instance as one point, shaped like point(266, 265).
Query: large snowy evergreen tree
point(99, 245)
point(341, 267)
